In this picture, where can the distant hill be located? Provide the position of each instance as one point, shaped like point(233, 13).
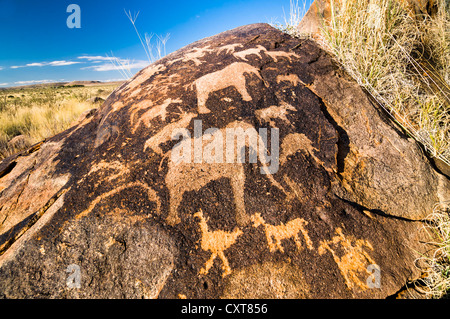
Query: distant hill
point(55, 84)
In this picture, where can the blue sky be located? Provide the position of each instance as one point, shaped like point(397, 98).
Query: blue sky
point(37, 46)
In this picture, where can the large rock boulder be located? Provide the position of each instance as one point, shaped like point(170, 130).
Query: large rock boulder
point(145, 198)
point(317, 17)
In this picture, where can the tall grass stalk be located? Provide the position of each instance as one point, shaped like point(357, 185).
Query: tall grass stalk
point(153, 51)
point(296, 13)
point(436, 284)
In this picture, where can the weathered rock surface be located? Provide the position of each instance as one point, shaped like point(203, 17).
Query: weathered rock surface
point(19, 141)
point(106, 196)
point(318, 14)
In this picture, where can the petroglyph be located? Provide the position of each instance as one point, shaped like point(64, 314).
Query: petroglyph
point(104, 133)
point(232, 75)
point(165, 134)
point(216, 242)
point(353, 262)
point(276, 233)
point(114, 108)
point(167, 81)
point(229, 48)
point(135, 108)
point(162, 88)
point(253, 51)
point(184, 176)
point(295, 142)
point(193, 56)
point(117, 166)
point(151, 193)
point(275, 55)
point(154, 112)
point(145, 75)
point(291, 78)
point(274, 111)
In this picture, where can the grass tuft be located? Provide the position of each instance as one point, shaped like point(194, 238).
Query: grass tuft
point(402, 60)
point(436, 283)
point(291, 22)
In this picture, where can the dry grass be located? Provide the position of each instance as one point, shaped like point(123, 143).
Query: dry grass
point(402, 61)
point(39, 113)
point(436, 283)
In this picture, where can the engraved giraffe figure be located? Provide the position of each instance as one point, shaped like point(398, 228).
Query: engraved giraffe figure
point(276, 233)
point(216, 242)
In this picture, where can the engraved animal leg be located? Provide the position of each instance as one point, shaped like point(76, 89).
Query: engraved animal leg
point(225, 266)
point(278, 243)
point(238, 185)
point(175, 200)
point(270, 242)
point(298, 243)
point(243, 90)
point(202, 97)
point(208, 264)
point(308, 241)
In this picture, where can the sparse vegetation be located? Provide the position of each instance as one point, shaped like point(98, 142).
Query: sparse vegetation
point(41, 112)
point(291, 22)
point(437, 282)
point(403, 61)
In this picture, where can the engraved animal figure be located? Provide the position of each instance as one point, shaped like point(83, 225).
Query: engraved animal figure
point(354, 260)
point(165, 134)
point(184, 177)
point(275, 234)
point(194, 55)
point(275, 55)
point(151, 193)
point(154, 112)
point(232, 75)
point(229, 48)
point(216, 242)
point(272, 112)
point(256, 51)
point(292, 78)
point(144, 75)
